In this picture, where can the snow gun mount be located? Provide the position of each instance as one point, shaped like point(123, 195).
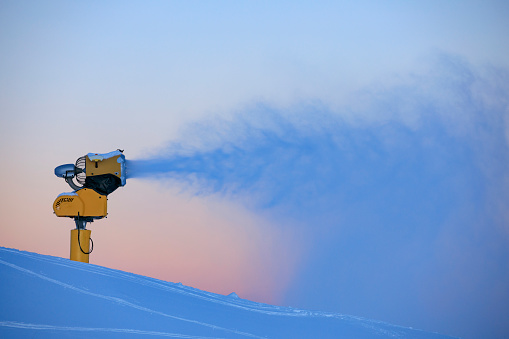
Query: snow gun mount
point(92, 178)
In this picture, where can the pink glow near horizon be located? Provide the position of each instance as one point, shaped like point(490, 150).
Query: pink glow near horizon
point(214, 246)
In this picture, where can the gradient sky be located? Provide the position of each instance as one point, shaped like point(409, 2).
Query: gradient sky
point(353, 156)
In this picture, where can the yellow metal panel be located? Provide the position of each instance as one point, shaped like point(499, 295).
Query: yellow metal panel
point(84, 240)
point(87, 203)
point(67, 205)
point(95, 204)
point(105, 166)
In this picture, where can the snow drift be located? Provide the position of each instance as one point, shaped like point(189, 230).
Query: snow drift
point(48, 297)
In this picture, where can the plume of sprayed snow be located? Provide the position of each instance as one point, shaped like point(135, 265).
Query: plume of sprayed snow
point(411, 180)
point(448, 123)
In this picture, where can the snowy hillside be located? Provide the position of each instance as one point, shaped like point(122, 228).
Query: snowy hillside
point(49, 297)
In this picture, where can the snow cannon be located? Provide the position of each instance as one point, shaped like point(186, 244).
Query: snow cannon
point(93, 177)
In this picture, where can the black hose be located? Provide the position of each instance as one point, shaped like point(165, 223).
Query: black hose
point(78, 226)
point(91, 241)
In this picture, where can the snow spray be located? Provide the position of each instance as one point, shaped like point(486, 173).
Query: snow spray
point(401, 191)
point(406, 144)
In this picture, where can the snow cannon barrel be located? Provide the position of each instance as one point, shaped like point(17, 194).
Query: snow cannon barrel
point(105, 172)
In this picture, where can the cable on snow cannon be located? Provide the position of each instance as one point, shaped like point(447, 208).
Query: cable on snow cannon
point(92, 178)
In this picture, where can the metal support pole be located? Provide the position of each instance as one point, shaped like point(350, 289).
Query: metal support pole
point(77, 253)
point(80, 240)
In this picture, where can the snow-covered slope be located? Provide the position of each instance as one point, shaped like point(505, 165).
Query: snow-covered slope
point(49, 297)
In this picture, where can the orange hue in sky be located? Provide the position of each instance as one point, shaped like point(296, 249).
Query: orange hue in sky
point(203, 242)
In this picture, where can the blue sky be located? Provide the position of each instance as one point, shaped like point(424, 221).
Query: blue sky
point(351, 156)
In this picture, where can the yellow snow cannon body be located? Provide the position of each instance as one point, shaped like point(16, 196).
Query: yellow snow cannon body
point(96, 175)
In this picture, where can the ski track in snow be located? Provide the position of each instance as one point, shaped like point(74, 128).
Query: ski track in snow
point(124, 302)
point(15, 324)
